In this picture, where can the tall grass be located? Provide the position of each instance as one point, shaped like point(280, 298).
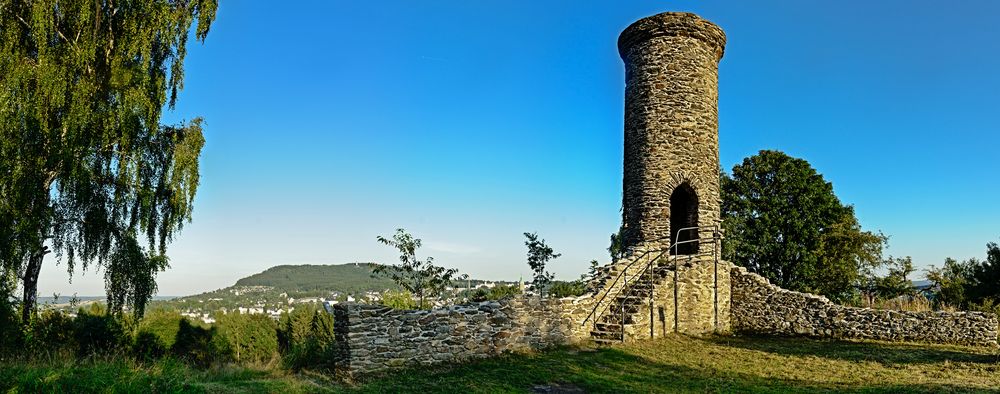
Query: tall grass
point(916, 303)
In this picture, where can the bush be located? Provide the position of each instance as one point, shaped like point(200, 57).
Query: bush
point(495, 293)
point(99, 334)
point(293, 328)
point(161, 324)
point(195, 344)
point(305, 337)
point(560, 289)
point(399, 299)
point(317, 351)
point(247, 338)
point(51, 332)
point(500, 292)
point(148, 346)
point(11, 336)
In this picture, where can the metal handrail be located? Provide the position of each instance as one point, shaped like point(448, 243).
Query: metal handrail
point(715, 232)
point(612, 285)
point(648, 269)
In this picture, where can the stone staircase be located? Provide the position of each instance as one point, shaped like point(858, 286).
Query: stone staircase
point(629, 302)
point(630, 282)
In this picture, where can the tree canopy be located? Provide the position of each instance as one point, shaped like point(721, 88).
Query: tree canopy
point(86, 168)
point(539, 254)
point(783, 221)
point(970, 284)
point(420, 277)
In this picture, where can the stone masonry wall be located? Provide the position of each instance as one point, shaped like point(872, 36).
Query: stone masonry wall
point(372, 338)
point(762, 308)
point(671, 121)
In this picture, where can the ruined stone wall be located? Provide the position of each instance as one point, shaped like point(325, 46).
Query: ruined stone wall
point(373, 338)
point(671, 120)
point(759, 307)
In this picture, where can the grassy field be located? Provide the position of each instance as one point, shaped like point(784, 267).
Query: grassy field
point(677, 364)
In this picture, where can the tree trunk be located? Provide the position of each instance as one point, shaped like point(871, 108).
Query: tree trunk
point(30, 299)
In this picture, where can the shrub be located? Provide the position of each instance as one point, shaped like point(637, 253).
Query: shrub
point(161, 324)
point(399, 299)
point(247, 338)
point(195, 344)
point(293, 328)
point(148, 346)
point(317, 351)
point(479, 295)
point(560, 289)
point(497, 292)
point(11, 336)
point(98, 334)
point(52, 332)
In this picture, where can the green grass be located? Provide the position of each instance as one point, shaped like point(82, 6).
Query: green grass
point(674, 364)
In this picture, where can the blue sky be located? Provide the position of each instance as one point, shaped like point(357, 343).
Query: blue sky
point(467, 123)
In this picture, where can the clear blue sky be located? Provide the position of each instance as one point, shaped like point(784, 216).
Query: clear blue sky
point(468, 123)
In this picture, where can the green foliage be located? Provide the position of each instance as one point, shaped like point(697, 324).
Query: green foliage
point(87, 167)
point(985, 281)
point(52, 332)
point(494, 293)
point(948, 283)
point(897, 282)
point(162, 324)
point(592, 271)
point(539, 254)
point(973, 284)
point(783, 221)
point(293, 328)
point(99, 334)
point(616, 250)
point(11, 334)
point(420, 277)
point(319, 352)
point(561, 289)
point(399, 300)
point(247, 338)
point(148, 347)
point(306, 338)
point(195, 344)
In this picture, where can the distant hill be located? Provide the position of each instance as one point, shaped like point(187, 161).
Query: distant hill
point(345, 278)
point(277, 287)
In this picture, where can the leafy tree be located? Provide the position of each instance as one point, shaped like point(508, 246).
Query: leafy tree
point(985, 283)
point(973, 284)
point(293, 328)
point(420, 277)
point(949, 282)
point(247, 337)
point(592, 271)
point(85, 165)
point(783, 221)
point(398, 300)
point(538, 255)
point(616, 250)
point(896, 283)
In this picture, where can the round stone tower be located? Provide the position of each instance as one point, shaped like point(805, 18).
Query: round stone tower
point(671, 178)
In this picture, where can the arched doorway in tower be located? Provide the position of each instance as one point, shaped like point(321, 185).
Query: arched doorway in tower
point(684, 214)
